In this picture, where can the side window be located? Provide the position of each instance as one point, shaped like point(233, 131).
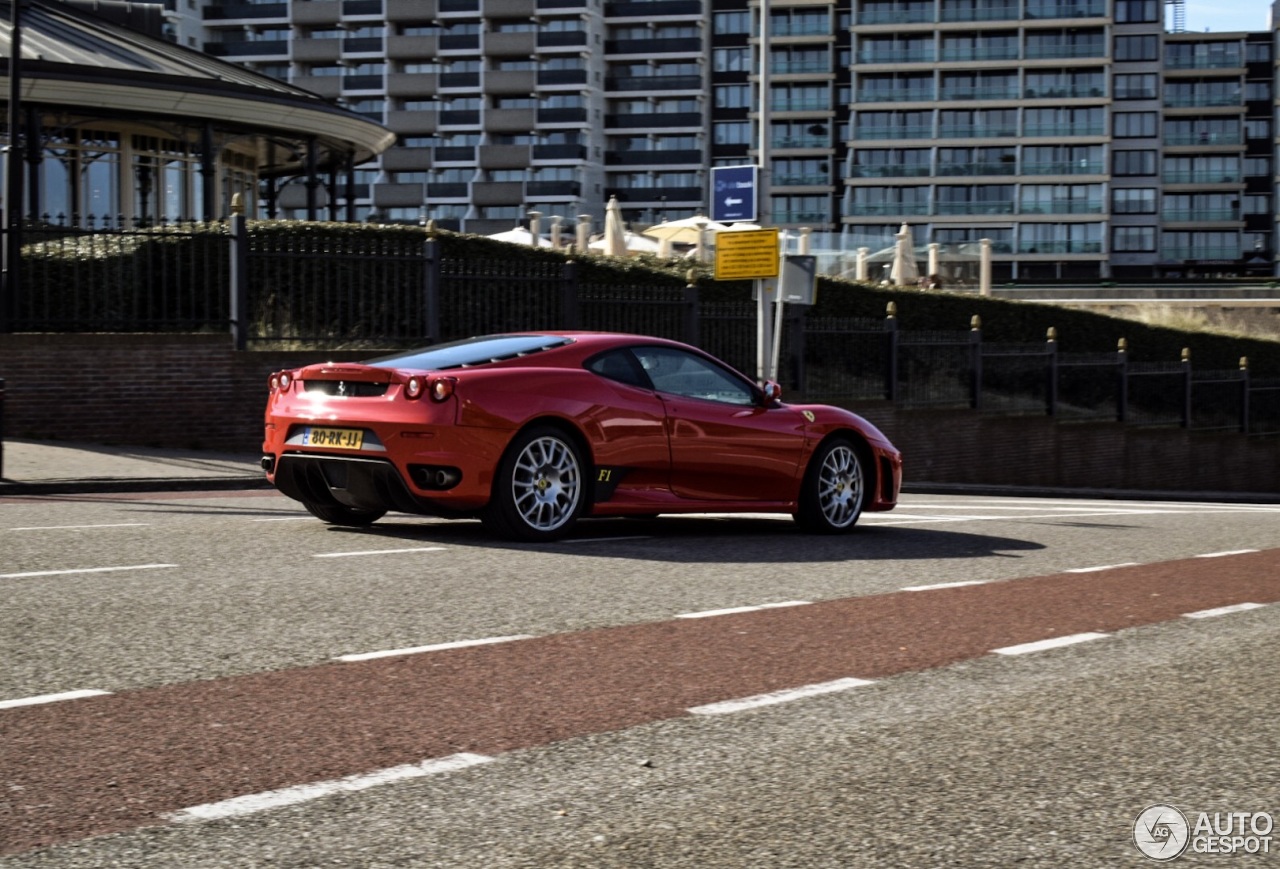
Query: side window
point(619, 365)
point(679, 373)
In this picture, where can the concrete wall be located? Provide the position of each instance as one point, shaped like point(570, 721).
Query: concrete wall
point(194, 391)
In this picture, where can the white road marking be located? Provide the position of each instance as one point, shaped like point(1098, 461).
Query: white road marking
point(959, 584)
point(1223, 610)
point(378, 552)
point(774, 697)
point(605, 539)
point(304, 793)
point(417, 650)
point(52, 698)
point(81, 527)
point(286, 519)
point(1225, 554)
point(1101, 567)
point(31, 573)
point(742, 609)
point(1055, 643)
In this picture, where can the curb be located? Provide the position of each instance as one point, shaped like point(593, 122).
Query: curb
point(97, 487)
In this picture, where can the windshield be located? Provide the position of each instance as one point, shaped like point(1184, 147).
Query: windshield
point(470, 351)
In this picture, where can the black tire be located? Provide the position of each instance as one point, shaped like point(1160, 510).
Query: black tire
point(340, 514)
point(834, 488)
point(540, 488)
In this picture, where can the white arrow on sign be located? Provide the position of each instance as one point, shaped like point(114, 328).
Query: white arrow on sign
point(731, 201)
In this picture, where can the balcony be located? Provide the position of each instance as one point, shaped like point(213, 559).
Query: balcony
point(363, 45)
point(1204, 139)
point(1040, 11)
point(412, 85)
point(469, 42)
point(412, 47)
point(906, 55)
point(560, 76)
point(883, 209)
point(398, 195)
point(654, 121)
point(562, 39)
point(362, 82)
point(993, 12)
point(246, 11)
point(407, 160)
point(460, 118)
point(504, 157)
point(800, 179)
point(559, 152)
point(404, 11)
point(652, 47)
point(914, 15)
point(1066, 51)
point(1201, 177)
point(316, 13)
point(1065, 206)
point(362, 7)
point(509, 120)
point(497, 193)
point(448, 191)
point(1054, 246)
point(466, 81)
point(412, 123)
point(1194, 101)
point(972, 131)
point(1200, 215)
point(967, 55)
point(659, 194)
point(655, 83)
point(1040, 131)
point(254, 48)
point(653, 158)
point(1007, 92)
point(510, 44)
point(897, 95)
point(455, 154)
point(974, 208)
point(654, 9)
point(1216, 252)
point(977, 169)
point(1063, 167)
point(910, 131)
point(548, 189)
point(898, 170)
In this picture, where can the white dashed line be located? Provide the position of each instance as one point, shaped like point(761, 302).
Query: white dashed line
point(775, 697)
point(378, 552)
point(1042, 645)
point(959, 584)
point(252, 803)
point(1223, 610)
point(705, 614)
point(417, 650)
point(84, 570)
point(1101, 567)
point(82, 527)
point(1225, 554)
point(52, 698)
point(605, 539)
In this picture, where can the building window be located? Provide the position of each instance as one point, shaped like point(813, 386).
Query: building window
point(1135, 86)
point(1133, 163)
point(1138, 11)
point(1134, 125)
point(1145, 47)
point(725, 23)
point(1134, 200)
point(732, 132)
point(731, 59)
point(733, 96)
point(1133, 239)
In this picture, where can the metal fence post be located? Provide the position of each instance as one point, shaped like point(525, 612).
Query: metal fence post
point(692, 303)
point(1, 428)
point(239, 274)
point(1122, 380)
point(569, 287)
point(431, 286)
point(975, 363)
point(891, 350)
point(1186, 387)
point(1244, 394)
point(1051, 373)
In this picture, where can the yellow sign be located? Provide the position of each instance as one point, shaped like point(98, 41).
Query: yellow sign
point(749, 253)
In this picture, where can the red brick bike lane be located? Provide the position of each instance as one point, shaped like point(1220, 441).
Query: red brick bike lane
point(110, 763)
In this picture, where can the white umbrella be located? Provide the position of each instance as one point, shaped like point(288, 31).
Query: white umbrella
point(519, 235)
point(904, 272)
point(687, 230)
point(615, 232)
point(633, 242)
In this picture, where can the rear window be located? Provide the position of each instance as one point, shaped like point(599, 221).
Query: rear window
point(471, 351)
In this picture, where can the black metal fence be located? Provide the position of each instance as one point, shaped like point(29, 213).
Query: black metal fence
point(288, 289)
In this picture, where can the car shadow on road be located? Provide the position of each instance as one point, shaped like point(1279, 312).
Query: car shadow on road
point(716, 539)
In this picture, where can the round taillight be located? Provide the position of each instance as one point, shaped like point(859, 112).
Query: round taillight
point(284, 380)
point(441, 388)
point(413, 389)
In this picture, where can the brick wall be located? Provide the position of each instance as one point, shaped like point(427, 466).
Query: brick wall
point(194, 391)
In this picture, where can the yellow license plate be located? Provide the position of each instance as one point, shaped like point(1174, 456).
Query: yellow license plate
point(340, 438)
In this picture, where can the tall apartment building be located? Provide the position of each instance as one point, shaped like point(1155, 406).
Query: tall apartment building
point(1084, 138)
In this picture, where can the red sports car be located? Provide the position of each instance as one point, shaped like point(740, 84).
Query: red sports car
point(529, 432)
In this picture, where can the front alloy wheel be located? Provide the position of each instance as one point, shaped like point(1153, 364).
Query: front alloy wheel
point(538, 492)
point(834, 488)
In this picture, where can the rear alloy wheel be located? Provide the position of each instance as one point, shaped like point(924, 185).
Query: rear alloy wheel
point(833, 490)
point(538, 493)
point(341, 514)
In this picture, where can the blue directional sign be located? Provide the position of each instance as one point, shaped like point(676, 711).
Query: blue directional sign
point(733, 193)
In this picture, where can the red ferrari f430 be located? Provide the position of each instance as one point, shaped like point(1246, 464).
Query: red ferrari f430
point(532, 431)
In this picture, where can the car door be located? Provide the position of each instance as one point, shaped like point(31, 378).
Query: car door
point(725, 445)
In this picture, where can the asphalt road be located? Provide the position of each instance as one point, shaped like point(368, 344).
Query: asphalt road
point(950, 754)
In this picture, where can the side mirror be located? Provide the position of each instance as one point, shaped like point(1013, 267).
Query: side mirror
point(771, 391)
